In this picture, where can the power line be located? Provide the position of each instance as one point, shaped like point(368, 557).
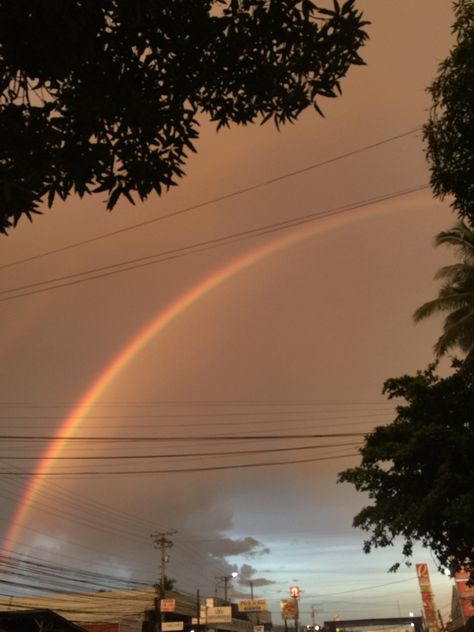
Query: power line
point(179, 416)
point(203, 246)
point(194, 402)
point(220, 198)
point(177, 455)
point(167, 439)
point(211, 468)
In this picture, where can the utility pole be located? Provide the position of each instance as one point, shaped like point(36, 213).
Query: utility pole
point(226, 579)
point(162, 541)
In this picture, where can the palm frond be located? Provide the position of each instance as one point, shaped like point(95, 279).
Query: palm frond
point(458, 331)
point(456, 271)
point(445, 302)
point(461, 236)
point(456, 295)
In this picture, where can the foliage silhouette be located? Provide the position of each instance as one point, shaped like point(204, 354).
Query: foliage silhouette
point(417, 470)
point(456, 295)
point(449, 132)
point(168, 585)
point(104, 95)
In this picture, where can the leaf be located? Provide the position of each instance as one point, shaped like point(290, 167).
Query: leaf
point(113, 198)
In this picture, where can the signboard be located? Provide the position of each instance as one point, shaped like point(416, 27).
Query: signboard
point(172, 626)
point(219, 614)
point(252, 605)
point(289, 609)
point(295, 592)
point(167, 605)
point(427, 597)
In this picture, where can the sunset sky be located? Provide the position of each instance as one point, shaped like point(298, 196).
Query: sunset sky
point(216, 349)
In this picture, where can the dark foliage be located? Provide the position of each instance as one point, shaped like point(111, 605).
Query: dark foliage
point(103, 95)
point(168, 585)
point(449, 134)
point(418, 470)
point(456, 296)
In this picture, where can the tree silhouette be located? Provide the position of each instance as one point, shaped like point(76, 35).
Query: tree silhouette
point(456, 295)
point(449, 132)
point(168, 584)
point(105, 95)
point(417, 470)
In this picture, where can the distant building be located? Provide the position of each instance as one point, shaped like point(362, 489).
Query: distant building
point(127, 611)
point(462, 602)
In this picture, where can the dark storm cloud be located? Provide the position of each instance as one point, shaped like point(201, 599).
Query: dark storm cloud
point(226, 547)
point(247, 576)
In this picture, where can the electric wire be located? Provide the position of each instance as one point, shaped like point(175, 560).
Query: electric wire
point(194, 402)
point(198, 438)
point(203, 246)
point(212, 468)
point(220, 198)
point(175, 455)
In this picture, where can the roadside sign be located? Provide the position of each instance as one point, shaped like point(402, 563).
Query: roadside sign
point(172, 626)
point(289, 608)
point(252, 605)
point(168, 605)
point(219, 614)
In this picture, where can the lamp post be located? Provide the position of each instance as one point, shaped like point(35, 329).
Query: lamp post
point(225, 579)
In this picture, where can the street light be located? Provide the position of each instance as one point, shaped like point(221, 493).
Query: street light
point(225, 579)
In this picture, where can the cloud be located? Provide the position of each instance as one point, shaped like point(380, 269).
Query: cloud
point(227, 547)
point(247, 576)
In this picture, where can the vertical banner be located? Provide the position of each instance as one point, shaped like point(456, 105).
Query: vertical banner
point(427, 597)
point(465, 594)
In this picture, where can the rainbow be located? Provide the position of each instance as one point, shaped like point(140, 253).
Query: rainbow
point(163, 319)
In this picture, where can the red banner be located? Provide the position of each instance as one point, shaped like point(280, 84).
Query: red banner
point(427, 597)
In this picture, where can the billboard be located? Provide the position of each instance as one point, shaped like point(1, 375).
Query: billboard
point(218, 614)
point(429, 608)
point(289, 609)
point(252, 605)
point(172, 626)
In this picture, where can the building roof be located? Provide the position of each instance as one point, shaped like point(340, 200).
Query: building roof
point(34, 620)
point(116, 606)
point(94, 607)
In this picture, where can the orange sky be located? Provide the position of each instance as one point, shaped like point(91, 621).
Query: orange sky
point(318, 326)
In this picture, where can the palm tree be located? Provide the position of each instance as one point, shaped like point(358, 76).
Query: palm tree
point(168, 584)
point(456, 296)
